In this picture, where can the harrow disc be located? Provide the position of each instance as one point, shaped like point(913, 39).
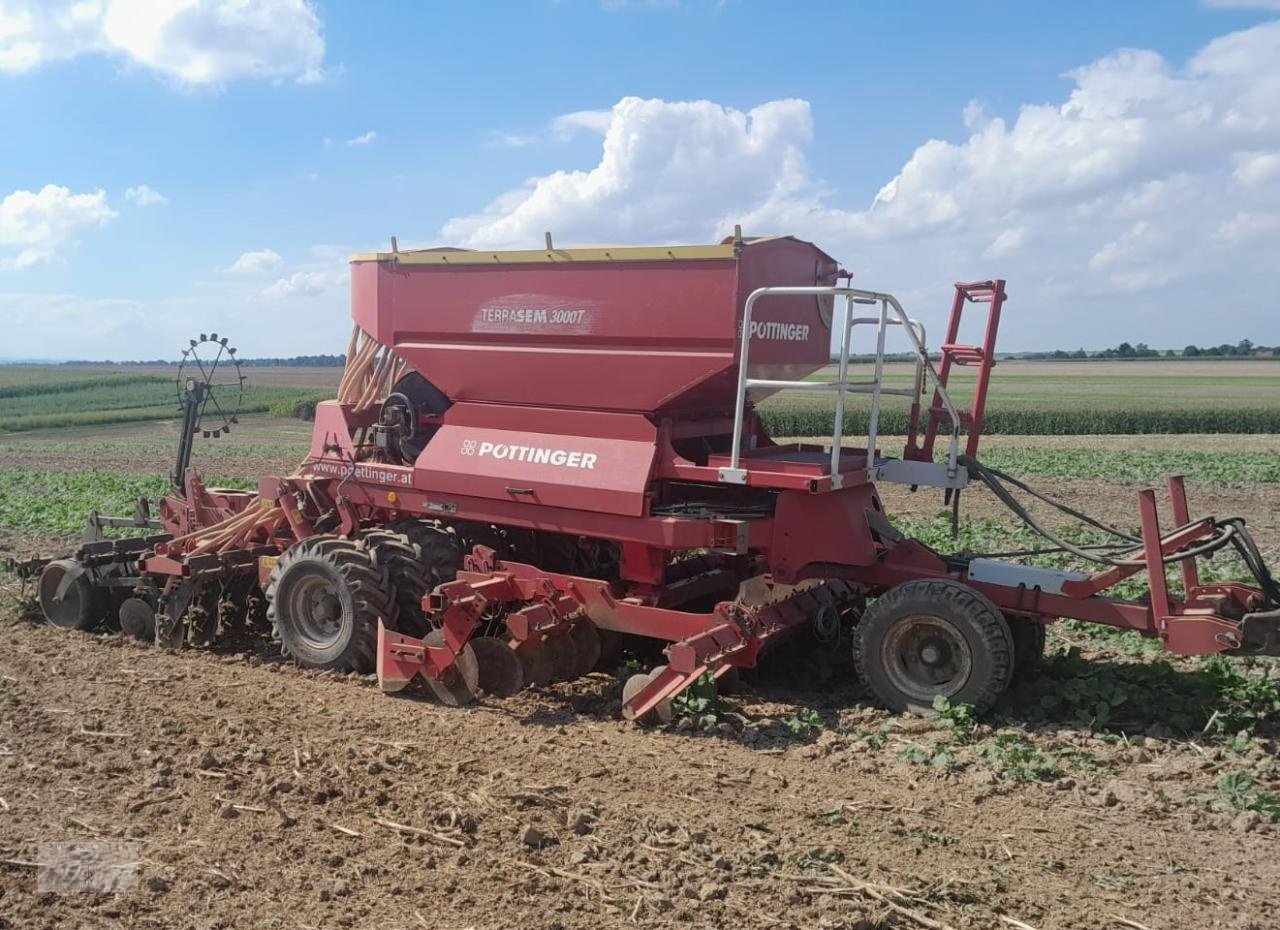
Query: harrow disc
point(564, 656)
point(663, 712)
point(610, 647)
point(138, 619)
point(535, 662)
point(586, 641)
point(457, 686)
point(501, 672)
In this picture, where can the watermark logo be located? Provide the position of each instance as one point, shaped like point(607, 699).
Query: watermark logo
point(69, 868)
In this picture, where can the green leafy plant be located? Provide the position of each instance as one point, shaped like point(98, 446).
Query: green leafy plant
point(699, 703)
point(1237, 790)
point(960, 719)
point(934, 756)
point(1016, 759)
point(805, 722)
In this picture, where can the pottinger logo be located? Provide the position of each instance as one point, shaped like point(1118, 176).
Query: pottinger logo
point(784, 332)
point(537, 455)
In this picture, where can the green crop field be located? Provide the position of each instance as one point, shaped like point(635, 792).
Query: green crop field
point(1054, 398)
point(39, 397)
point(1027, 398)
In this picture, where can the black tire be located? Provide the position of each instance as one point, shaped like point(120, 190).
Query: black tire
point(1028, 647)
point(325, 598)
point(83, 605)
point(930, 637)
point(423, 557)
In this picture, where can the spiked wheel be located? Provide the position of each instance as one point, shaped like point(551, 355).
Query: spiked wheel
point(326, 596)
point(501, 673)
point(212, 372)
point(459, 683)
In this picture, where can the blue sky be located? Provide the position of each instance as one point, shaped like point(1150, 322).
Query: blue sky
point(175, 167)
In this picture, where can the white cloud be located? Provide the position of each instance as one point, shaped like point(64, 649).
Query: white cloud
point(1246, 226)
point(596, 121)
point(1243, 4)
point(666, 168)
point(194, 42)
point(1093, 206)
point(1007, 242)
point(145, 196)
point(306, 284)
point(365, 139)
point(1257, 168)
point(259, 262)
point(561, 129)
point(42, 223)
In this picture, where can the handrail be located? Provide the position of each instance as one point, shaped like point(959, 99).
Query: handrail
point(914, 329)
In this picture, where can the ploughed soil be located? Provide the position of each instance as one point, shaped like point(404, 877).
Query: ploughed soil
point(250, 793)
point(257, 794)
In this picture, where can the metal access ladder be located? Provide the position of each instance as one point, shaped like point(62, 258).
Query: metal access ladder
point(954, 354)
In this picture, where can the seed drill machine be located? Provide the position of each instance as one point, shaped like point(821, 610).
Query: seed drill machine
point(534, 455)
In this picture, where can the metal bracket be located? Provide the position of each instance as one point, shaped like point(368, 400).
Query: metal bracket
point(733, 475)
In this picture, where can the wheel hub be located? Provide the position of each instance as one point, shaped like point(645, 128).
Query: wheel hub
point(927, 656)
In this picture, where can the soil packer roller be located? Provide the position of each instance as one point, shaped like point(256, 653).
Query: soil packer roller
point(533, 454)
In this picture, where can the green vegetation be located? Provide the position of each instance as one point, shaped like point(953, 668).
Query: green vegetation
point(1116, 399)
point(57, 503)
point(1220, 467)
point(1237, 790)
point(804, 722)
point(47, 397)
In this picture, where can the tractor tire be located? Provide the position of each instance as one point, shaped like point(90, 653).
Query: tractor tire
point(325, 598)
point(423, 557)
point(83, 605)
point(927, 638)
point(1028, 647)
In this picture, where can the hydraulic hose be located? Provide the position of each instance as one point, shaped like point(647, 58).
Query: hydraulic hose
point(1227, 532)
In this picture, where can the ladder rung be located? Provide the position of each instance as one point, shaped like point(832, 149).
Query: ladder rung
point(962, 354)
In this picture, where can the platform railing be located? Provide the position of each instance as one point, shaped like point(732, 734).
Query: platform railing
point(736, 474)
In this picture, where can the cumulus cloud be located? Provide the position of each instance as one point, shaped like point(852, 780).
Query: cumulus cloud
point(42, 223)
point(259, 262)
point(194, 42)
point(1131, 184)
point(560, 129)
point(145, 196)
point(306, 284)
point(365, 139)
point(666, 168)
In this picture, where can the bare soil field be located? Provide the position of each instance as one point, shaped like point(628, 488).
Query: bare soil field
point(251, 793)
point(255, 794)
